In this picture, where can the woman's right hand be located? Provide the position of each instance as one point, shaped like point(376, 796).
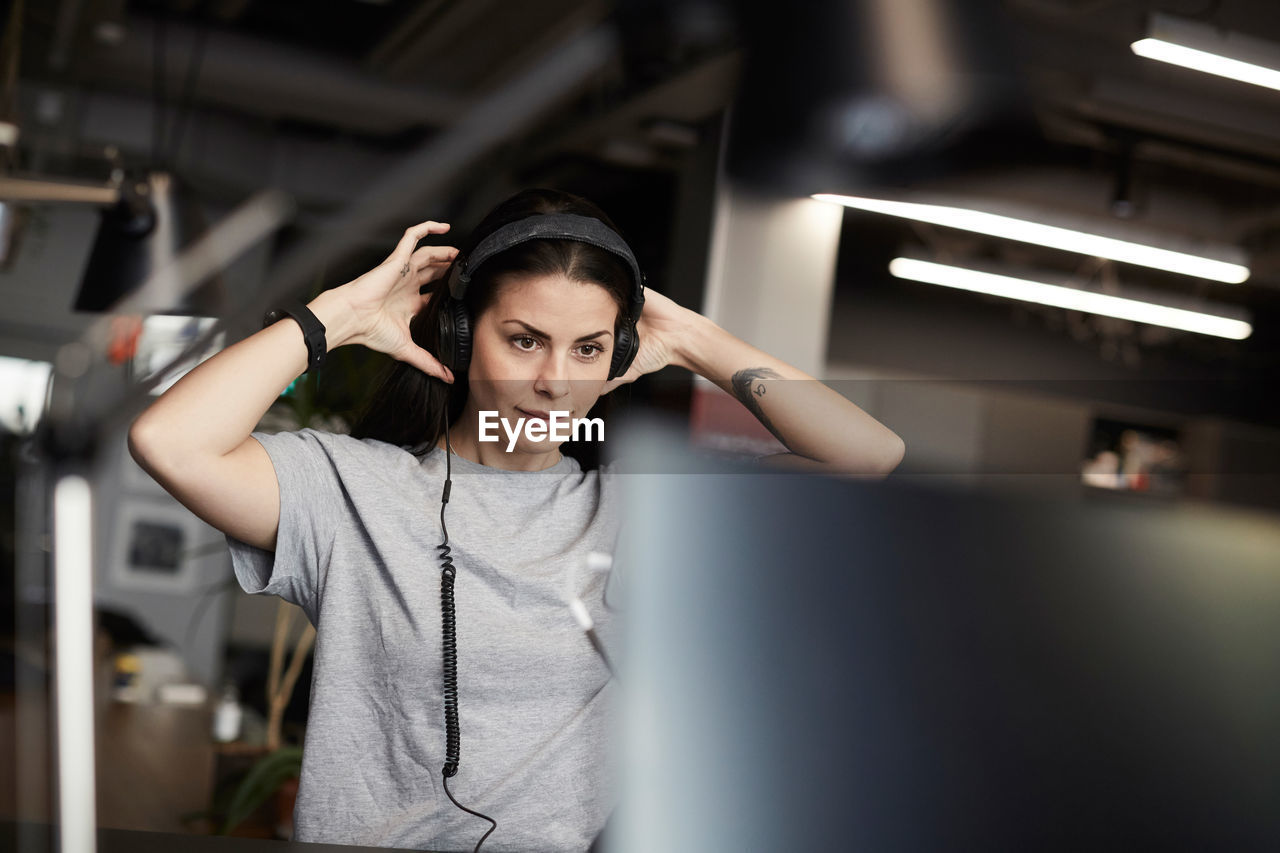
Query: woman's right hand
point(387, 297)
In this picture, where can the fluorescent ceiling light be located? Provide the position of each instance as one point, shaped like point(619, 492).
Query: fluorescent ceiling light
point(1203, 48)
point(1051, 236)
point(1073, 298)
point(1209, 63)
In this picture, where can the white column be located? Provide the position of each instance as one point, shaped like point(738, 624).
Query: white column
point(770, 273)
point(73, 642)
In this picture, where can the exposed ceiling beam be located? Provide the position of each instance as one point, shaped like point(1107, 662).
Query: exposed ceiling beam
point(1088, 133)
point(274, 81)
point(425, 20)
point(17, 188)
point(1208, 121)
point(689, 97)
point(473, 46)
point(228, 10)
point(64, 32)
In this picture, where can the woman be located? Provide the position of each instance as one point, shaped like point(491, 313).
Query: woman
point(346, 526)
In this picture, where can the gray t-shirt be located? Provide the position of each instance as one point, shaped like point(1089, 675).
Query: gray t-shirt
point(356, 550)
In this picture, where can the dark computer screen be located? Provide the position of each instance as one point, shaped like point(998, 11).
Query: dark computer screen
point(817, 664)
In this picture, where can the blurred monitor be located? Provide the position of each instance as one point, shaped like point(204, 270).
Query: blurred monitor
point(815, 664)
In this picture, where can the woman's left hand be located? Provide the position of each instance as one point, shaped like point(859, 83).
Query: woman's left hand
point(662, 329)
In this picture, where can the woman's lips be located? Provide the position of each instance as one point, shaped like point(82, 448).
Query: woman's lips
point(537, 416)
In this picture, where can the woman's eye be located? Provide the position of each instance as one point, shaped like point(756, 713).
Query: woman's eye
point(528, 343)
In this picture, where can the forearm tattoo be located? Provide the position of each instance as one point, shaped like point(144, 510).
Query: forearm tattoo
point(748, 387)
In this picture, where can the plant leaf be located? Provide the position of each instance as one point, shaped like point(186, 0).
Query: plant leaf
point(262, 780)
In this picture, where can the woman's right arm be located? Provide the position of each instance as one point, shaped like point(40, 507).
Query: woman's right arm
point(194, 439)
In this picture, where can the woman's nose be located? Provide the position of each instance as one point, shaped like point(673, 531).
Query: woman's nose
point(553, 377)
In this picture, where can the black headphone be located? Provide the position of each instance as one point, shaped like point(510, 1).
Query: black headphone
point(455, 318)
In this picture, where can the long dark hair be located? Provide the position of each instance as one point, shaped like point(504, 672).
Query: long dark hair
point(406, 409)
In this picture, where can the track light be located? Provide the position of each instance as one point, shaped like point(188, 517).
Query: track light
point(1212, 51)
point(1051, 236)
point(1224, 322)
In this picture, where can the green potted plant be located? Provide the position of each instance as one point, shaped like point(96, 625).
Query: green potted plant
point(274, 774)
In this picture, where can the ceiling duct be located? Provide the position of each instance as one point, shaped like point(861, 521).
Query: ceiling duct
point(276, 81)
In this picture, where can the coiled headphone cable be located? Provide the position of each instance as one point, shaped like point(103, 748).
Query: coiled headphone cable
point(453, 738)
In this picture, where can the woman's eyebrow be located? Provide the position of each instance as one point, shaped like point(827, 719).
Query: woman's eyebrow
point(531, 330)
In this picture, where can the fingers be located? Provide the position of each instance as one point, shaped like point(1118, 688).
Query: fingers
point(630, 376)
point(427, 256)
point(414, 233)
point(432, 274)
point(430, 263)
point(425, 362)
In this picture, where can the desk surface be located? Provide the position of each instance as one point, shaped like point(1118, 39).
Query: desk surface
point(28, 837)
point(153, 762)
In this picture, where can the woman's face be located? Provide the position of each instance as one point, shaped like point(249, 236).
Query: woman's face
point(543, 345)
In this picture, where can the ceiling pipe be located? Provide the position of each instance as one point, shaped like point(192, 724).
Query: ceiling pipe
point(64, 31)
point(275, 81)
point(45, 190)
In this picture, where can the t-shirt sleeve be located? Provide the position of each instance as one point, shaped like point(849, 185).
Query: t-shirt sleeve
point(312, 502)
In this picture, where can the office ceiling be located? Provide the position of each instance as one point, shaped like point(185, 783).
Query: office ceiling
point(387, 72)
point(320, 98)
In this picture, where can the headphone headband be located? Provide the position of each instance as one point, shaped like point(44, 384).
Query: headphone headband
point(549, 226)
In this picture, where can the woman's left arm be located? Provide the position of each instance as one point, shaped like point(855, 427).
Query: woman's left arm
point(823, 430)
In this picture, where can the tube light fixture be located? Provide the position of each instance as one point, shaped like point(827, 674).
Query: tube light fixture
point(1050, 236)
point(1223, 325)
point(1203, 48)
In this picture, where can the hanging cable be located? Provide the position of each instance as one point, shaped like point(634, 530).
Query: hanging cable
point(453, 737)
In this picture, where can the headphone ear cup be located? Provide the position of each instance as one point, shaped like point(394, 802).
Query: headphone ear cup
point(626, 345)
point(455, 335)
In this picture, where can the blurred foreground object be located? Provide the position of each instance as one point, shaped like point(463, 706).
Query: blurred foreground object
point(806, 671)
point(842, 95)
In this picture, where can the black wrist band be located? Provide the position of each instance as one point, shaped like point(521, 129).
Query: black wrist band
point(312, 330)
